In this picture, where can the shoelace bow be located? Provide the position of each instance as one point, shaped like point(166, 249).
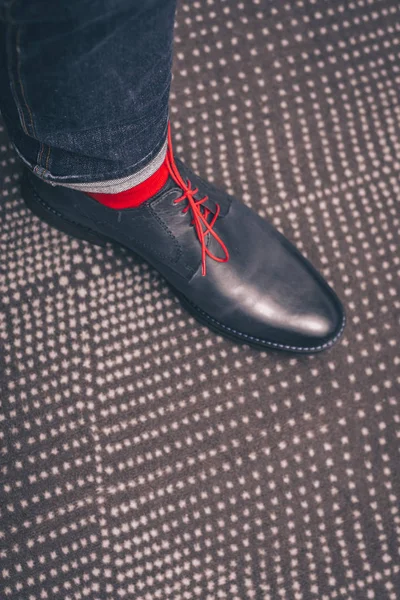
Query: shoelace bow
point(200, 213)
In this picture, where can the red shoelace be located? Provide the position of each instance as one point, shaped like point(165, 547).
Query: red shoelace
point(200, 213)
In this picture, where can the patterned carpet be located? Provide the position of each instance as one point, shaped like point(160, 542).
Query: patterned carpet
point(144, 458)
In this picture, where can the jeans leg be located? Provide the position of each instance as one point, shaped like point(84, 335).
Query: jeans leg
point(85, 85)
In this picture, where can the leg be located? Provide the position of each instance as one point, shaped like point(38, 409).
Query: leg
point(85, 86)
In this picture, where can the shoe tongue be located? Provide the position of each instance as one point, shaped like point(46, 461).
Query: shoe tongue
point(215, 196)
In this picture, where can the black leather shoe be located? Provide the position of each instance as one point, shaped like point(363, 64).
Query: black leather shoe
point(230, 268)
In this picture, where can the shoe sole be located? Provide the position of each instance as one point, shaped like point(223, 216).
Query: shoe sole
point(55, 219)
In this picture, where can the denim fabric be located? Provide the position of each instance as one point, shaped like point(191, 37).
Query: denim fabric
point(84, 84)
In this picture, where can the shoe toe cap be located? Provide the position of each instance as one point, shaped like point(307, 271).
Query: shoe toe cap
point(296, 322)
point(321, 324)
point(304, 316)
point(294, 310)
point(305, 312)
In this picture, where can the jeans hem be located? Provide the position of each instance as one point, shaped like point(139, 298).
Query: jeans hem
point(119, 177)
point(120, 184)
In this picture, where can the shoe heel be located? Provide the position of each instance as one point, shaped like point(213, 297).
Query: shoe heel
point(53, 218)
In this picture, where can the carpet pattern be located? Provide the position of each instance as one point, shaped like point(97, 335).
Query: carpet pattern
point(143, 457)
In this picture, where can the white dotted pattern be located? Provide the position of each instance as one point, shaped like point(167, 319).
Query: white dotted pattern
point(142, 457)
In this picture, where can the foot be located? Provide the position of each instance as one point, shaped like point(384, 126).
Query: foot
point(230, 268)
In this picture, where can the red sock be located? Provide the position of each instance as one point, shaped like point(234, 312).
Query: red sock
point(136, 195)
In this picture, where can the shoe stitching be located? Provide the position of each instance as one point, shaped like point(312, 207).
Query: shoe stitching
point(103, 222)
point(171, 235)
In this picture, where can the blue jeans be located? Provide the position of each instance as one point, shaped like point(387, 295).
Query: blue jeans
point(84, 86)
